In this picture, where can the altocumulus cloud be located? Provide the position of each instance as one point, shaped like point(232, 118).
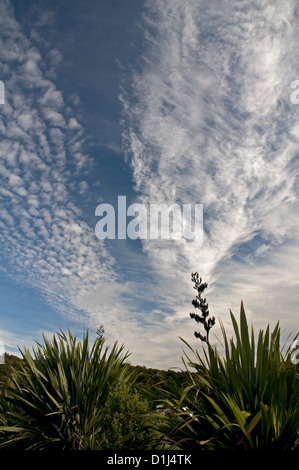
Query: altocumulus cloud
point(45, 242)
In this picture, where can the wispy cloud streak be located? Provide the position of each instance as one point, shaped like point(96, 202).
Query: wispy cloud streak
point(209, 120)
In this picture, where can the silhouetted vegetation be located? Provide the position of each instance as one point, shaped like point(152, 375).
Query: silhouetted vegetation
point(68, 395)
point(201, 304)
point(10, 362)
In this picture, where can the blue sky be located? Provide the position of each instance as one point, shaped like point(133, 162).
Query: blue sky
point(163, 102)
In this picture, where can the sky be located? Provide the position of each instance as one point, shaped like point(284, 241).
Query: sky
point(160, 101)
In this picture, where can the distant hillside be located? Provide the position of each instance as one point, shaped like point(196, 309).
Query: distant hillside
point(10, 362)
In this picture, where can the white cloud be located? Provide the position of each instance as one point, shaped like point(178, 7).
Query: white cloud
point(55, 118)
point(52, 97)
point(73, 123)
point(207, 120)
point(9, 341)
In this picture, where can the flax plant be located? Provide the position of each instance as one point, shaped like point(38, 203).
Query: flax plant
point(245, 398)
point(56, 400)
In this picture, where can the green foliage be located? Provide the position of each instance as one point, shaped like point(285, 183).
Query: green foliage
point(247, 399)
point(151, 381)
point(39, 409)
point(125, 420)
point(68, 396)
point(10, 362)
point(57, 396)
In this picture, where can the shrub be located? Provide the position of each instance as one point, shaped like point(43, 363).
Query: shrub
point(125, 420)
point(247, 397)
point(56, 397)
